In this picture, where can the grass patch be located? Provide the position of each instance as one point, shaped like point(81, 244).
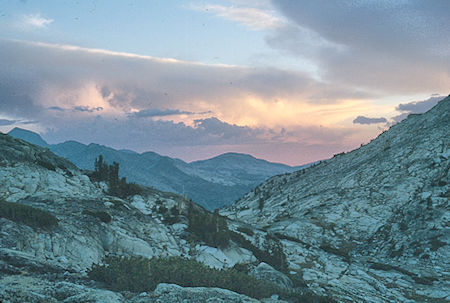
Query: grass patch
point(27, 215)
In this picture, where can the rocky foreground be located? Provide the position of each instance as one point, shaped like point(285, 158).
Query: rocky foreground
point(48, 263)
point(371, 225)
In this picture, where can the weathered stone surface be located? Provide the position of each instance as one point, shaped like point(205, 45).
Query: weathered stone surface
point(371, 225)
point(266, 272)
point(175, 293)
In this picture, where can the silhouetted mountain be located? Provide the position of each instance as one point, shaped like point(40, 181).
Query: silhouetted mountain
point(29, 136)
point(213, 183)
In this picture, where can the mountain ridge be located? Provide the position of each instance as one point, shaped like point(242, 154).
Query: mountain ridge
point(214, 182)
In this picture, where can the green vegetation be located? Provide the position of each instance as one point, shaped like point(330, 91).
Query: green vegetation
point(246, 230)
point(27, 215)
point(102, 215)
point(272, 253)
point(210, 228)
point(110, 174)
point(46, 164)
point(261, 203)
point(137, 274)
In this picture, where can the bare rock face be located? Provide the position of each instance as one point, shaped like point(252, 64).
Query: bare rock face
point(371, 225)
point(175, 293)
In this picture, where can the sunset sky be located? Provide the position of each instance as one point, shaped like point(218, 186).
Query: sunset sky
point(284, 80)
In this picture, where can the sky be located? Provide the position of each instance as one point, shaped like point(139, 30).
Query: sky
point(290, 81)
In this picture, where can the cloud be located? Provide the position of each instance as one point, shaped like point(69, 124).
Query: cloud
point(385, 47)
point(416, 107)
point(219, 129)
point(57, 108)
point(5, 122)
point(256, 18)
point(366, 120)
point(85, 108)
point(159, 113)
point(101, 96)
point(35, 21)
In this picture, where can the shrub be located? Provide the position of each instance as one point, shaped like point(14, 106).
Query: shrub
point(241, 267)
point(46, 164)
point(209, 228)
point(28, 215)
point(272, 254)
point(102, 215)
point(245, 230)
point(110, 174)
point(261, 203)
point(138, 274)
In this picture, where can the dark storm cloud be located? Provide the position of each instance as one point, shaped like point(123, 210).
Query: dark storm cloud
point(366, 120)
point(385, 46)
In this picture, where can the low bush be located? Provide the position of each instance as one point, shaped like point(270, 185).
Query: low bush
point(245, 230)
point(272, 254)
point(27, 215)
point(210, 228)
point(102, 215)
point(137, 274)
point(46, 164)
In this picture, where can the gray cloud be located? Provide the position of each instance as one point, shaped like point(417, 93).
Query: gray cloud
point(160, 113)
point(219, 129)
point(416, 107)
point(85, 108)
point(366, 120)
point(5, 122)
point(29, 122)
point(136, 82)
point(137, 134)
point(47, 83)
point(382, 46)
point(57, 108)
point(207, 138)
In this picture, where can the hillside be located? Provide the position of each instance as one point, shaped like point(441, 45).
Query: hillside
point(214, 183)
point(371, 225)
point(57, 226)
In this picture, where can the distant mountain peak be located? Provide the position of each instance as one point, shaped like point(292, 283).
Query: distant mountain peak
point(28, 135)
